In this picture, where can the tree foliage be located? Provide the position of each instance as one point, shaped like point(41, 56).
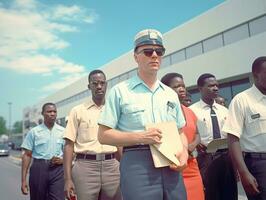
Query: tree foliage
point(17, 127)
point(3, 129)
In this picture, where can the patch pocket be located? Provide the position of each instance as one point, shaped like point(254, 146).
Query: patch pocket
point(134, 113)
point(41, 145)
point(88, 131)
point(59, 147)
point(256, 126)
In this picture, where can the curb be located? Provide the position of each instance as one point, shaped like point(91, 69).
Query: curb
point(15, 159)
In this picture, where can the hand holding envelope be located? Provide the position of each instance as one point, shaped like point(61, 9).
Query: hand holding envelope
point(170, 151)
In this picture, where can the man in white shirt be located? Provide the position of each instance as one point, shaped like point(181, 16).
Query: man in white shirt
point(246, 127)
point(216, 168)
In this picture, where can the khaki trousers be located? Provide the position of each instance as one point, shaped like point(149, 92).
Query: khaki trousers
point(97, 180)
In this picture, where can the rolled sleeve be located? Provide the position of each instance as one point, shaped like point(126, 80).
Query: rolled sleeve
point(180, 120)
point(234, 122)
point(28, 141)
point(72, 126)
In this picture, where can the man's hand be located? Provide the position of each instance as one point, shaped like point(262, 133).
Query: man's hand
point(249, 183)
point(152, 136)
point(201, 148)
point(56, 161)
point(182, 157)
point(69, 189)
point(24, 188)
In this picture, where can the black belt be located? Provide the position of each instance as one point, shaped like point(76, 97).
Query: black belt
point(136, 147)
point(98, 157)
point(41, 160)
point(255, 155)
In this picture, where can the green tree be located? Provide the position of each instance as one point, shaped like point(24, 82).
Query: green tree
point(3, 129)
point(17, 127)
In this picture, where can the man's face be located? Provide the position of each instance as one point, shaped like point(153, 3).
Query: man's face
point(178, 85)
point(98, 85)
point(49, 114)
point(210, 89)
point(260, 78)
point(148, 63)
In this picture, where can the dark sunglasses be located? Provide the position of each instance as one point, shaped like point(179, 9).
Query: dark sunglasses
point(149, 51)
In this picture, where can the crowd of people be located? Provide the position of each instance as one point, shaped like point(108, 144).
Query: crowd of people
point(104, 151)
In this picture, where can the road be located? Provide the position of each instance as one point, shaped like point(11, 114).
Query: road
point(10, 180)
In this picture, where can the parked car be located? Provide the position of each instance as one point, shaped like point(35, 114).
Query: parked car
point(4, 149)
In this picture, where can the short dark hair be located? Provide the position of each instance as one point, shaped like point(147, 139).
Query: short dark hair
point(256, 65)
point(202, 78)
point(47, 104)
point(166, 79)
point(96, 71)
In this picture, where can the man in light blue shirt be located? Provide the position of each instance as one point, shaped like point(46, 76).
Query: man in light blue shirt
point(130, 106)
point(44, 144)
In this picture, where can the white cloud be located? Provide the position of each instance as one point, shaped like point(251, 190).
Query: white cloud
point(40, 64)
point(30, 28)
point(74, 13)
point(62, 83)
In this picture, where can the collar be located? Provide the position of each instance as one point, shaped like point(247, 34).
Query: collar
point(257, 94)
point(136, 80)
point(205, 105)
point(91, 104)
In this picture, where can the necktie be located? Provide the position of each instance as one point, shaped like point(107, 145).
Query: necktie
point(215, 125)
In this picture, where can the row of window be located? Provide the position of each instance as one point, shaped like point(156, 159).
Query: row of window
point(230, 36)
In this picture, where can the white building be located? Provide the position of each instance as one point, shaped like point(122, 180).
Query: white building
point(223, 41)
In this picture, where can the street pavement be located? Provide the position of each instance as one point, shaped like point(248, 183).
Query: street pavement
point(10, 178)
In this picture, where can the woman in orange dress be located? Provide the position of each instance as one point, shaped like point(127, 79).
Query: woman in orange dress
point(191, 174)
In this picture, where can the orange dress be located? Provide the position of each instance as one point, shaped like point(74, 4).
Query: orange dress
point(191, 173)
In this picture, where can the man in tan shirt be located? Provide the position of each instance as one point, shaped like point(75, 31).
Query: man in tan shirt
point(95, 174)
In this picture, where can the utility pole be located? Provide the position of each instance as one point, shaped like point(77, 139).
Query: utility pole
point(10, 118)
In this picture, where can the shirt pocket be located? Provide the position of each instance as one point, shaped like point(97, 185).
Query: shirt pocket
point(59, 147)
point(41, 146)
point(134, 114)
point(256, 126)
point(202, 127)
point(87, 131)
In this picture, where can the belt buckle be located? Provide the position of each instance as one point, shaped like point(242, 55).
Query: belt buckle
point(100, 157)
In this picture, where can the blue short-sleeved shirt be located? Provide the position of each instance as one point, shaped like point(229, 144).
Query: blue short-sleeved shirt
point(131, 105)
point(45, 143)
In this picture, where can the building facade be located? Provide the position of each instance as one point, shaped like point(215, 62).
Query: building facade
point(223, 41)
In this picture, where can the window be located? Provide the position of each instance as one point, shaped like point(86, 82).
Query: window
point(257, 26)
point(213, 43)
point(239, 86)
point(194, 50)
point(236, 34)
point(166, 61)
point(178, 56)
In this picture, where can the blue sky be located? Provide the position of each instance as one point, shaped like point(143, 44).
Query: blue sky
point(46, 45)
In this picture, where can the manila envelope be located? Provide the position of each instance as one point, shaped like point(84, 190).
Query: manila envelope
point(216, 144)
point(164, 154)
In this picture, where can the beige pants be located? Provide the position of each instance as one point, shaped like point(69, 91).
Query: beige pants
point(97, 180)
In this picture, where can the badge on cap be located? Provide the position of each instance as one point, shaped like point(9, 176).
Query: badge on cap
point(153, 35)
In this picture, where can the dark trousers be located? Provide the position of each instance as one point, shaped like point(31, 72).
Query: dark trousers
point(140, 180)
point(46, 182)
point(257, 168)
point(218, 176)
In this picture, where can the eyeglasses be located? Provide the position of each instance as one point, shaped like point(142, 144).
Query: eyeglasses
point(149, 51)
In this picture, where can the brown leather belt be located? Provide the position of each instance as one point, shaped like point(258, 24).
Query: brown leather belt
point(97, 157)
